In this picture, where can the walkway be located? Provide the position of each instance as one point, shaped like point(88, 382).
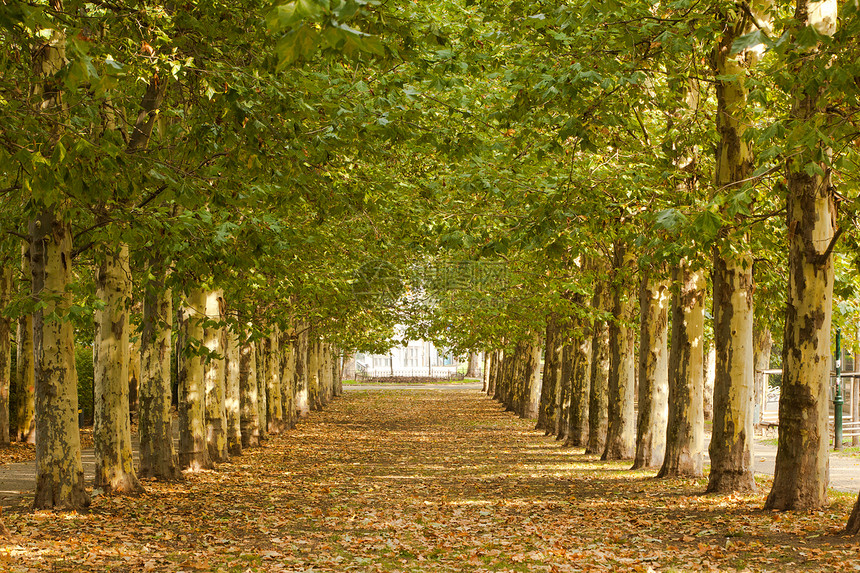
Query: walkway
point(420, 482)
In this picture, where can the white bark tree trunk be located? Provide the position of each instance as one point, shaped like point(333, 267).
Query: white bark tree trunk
point(654, 301)
point(215, 378)
point(59, 472)
point(193, 451)
point(115, 472)
point(801, 473)
point(25, 382)
point(157, 453)
point(685, 430)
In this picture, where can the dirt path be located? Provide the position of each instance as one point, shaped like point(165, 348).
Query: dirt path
point(434, 481)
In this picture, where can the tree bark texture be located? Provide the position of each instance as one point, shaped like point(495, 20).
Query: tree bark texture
point(114, 472)
point(287, 345)
point(534, 379)
point(685, 431)
point(472, 370)
point(5, 352)
point(275, 404)
point(215, 377)
point(261, 379)
point(546, 413)
point(59, 472)
point(250, 410)
point(732, 439)
point(24, 415)
point(801, 473)
point(193, 451)
point(654, 301)
point(580, 386)
point(562, 423)
point(598, 395)
point(232, 399)
point(157, 453)
point(620, 433)
point(303, 407)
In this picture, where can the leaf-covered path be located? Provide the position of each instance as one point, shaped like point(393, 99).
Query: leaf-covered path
point(402, 480)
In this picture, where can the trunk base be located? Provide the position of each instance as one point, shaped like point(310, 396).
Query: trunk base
point(47, 496)
point(731, 482)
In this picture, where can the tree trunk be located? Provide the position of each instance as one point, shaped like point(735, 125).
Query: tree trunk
point(287, 344)
point(25, 384)
point(492, 371)
point(5, 352)
point(275, 405)
point(114, 472)
point(598, 396)
point(533, 379)
point(262, 366)
point(215, 376)
point(133, 375)
point(232, 394)
point(157, 453)
point(762, 345)
point(474, 365)
point(546, 413)
point(562, 424)
point(654, 298)
point(685, 432)
point(580, 388)
point(801, 473)
point(193, 451)
point(709, 368)
point(314, 386)
point(250, 410)
point(620, 433)
point(303, 403)
point(59, 472)
point(731, 442)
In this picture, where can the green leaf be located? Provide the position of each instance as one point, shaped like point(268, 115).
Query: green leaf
point(299, 43)
point(288, 15)
point(750, 40)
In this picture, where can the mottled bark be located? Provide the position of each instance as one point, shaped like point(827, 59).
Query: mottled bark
point(580, 388)
point(685, 432)
point(232, 400)
point(801, 473)
point(248, 399)
point(157, 453)
point(262, 365)
point(473, 365)
point(598, 396)
point(303, 406)
point(709, 367)
point(620, 433)
point(533, 379)
point(59, 472)
point(731, 442)
point(546, 413)
point(193, 452)
point(654, 300)
point(24, 416)
point(288, 377)
point(215, 377)
point(562, 405)
point(314, 382)
point(114, 471)
point(274, 402)
point(5, 352)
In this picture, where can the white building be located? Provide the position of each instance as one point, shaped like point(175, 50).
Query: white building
point(417, 358)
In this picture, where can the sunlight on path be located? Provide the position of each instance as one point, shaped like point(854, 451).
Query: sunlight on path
point(425, 482)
